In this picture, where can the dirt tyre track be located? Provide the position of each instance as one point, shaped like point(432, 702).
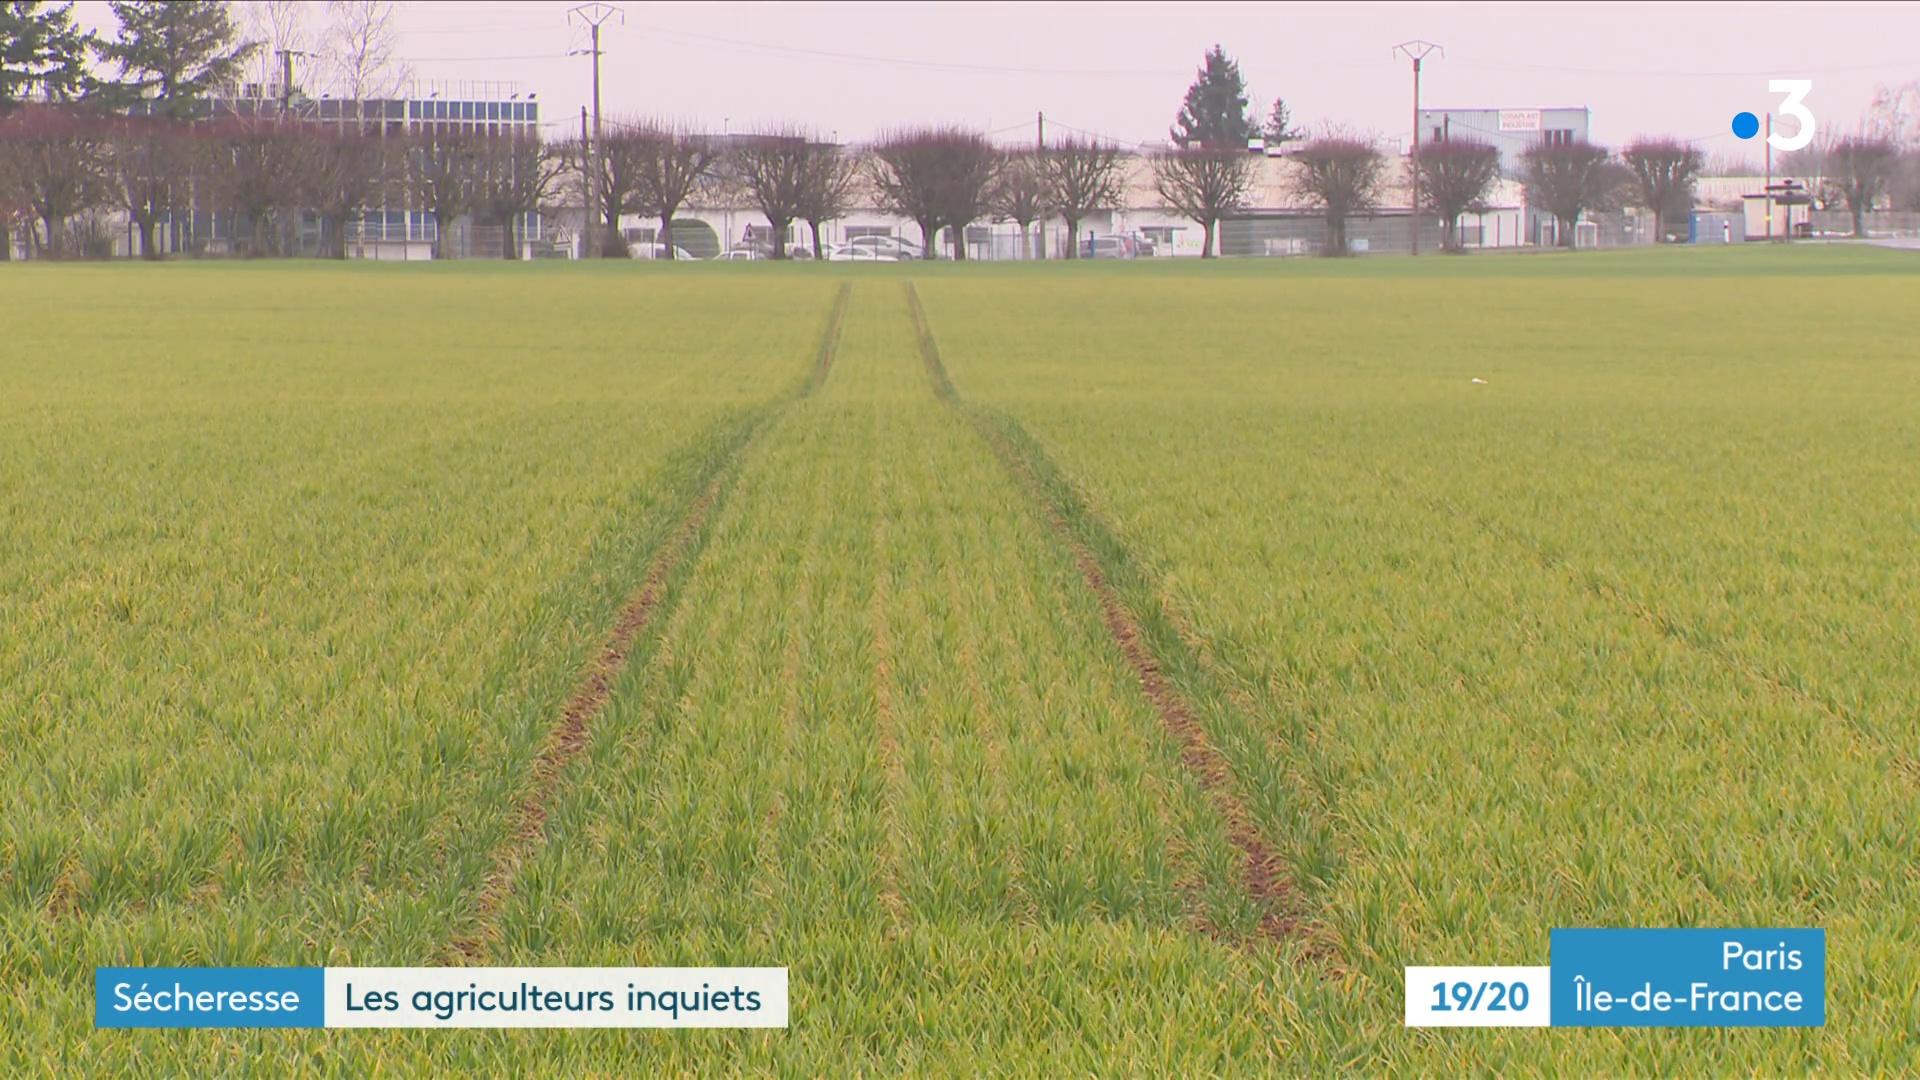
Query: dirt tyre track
point(1264, 877)
point(568, 737)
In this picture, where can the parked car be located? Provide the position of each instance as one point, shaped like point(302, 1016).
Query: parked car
point(861, 253)
point(895, 246)
point(1108, 247)
point(656, 251)
point(759, 252)
point(1143, 246)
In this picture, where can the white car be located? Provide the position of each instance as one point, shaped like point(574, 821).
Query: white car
point(656, 251)
point(741, 255)
point(886, 245)
point(849, 253)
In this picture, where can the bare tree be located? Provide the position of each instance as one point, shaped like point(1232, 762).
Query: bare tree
point(259, 174)
point(443, 171)
point(1730, 163)
point(14, 213)
point(1083, 176)
point(1903, 192)
point(1894, 114)
point(1456, 175)
point(669, 166)
point(938, 176)
point(1863, 166)
point(773, 168)
point(362, 41)
point(1614, 188)
point(150, 169)
point(1666, 169)
point(347, 168)
point(1205, 184)
point(828, 193)
point(628, 151)
point(907, 175)
point(1022, 194)
point(1342, 175)
point(1564, 179)
point(52, 159)
point(275, 26)
point(515, 176)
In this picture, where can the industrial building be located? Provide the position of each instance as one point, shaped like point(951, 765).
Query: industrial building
point(1510, 131)
point(392, 229)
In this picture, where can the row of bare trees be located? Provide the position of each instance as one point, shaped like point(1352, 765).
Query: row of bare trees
point(1345, 176)
point(1569, 179)
point(59, 164)
point(941, 178)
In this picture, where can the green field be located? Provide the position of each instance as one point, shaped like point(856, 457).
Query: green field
point(301, 565)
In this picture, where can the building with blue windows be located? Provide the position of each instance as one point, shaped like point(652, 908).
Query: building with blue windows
point(391, 227)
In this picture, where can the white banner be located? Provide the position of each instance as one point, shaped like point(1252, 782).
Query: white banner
point(482, 997)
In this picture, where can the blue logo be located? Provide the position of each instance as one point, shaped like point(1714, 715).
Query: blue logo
point(1689, 978)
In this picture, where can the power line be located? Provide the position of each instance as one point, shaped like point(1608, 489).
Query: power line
point(467, 59)
point(915, 62)
point(1102, 136)
point(1654, 73)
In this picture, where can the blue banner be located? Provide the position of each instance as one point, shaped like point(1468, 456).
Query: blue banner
point(209, 997)
point(1689, 978)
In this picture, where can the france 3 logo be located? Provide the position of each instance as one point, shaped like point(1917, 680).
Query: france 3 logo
point(1746, 125)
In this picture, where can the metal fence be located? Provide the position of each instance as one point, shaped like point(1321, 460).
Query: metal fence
point(1302, 235)
point(1883, 223)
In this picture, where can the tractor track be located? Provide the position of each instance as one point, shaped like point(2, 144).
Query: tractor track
point(572, 730)
point(1263, 877)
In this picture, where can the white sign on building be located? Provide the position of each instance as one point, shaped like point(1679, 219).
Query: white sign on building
point(1519, 119)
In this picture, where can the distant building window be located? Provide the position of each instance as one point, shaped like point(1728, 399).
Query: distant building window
point(1557, 137)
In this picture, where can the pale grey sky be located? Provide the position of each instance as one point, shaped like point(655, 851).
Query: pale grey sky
point(1119, 69)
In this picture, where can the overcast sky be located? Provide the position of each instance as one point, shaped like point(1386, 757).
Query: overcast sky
point(1118, 69)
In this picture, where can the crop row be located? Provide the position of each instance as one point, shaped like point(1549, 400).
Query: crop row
point(1435, 596)
point(884, 740)
point(288, 610)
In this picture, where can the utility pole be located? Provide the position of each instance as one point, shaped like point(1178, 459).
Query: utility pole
point(593, 16)
point(286, 78)
point(1769, 188)
point(1416, 50)
point(1040, 145)
point(591, 211)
